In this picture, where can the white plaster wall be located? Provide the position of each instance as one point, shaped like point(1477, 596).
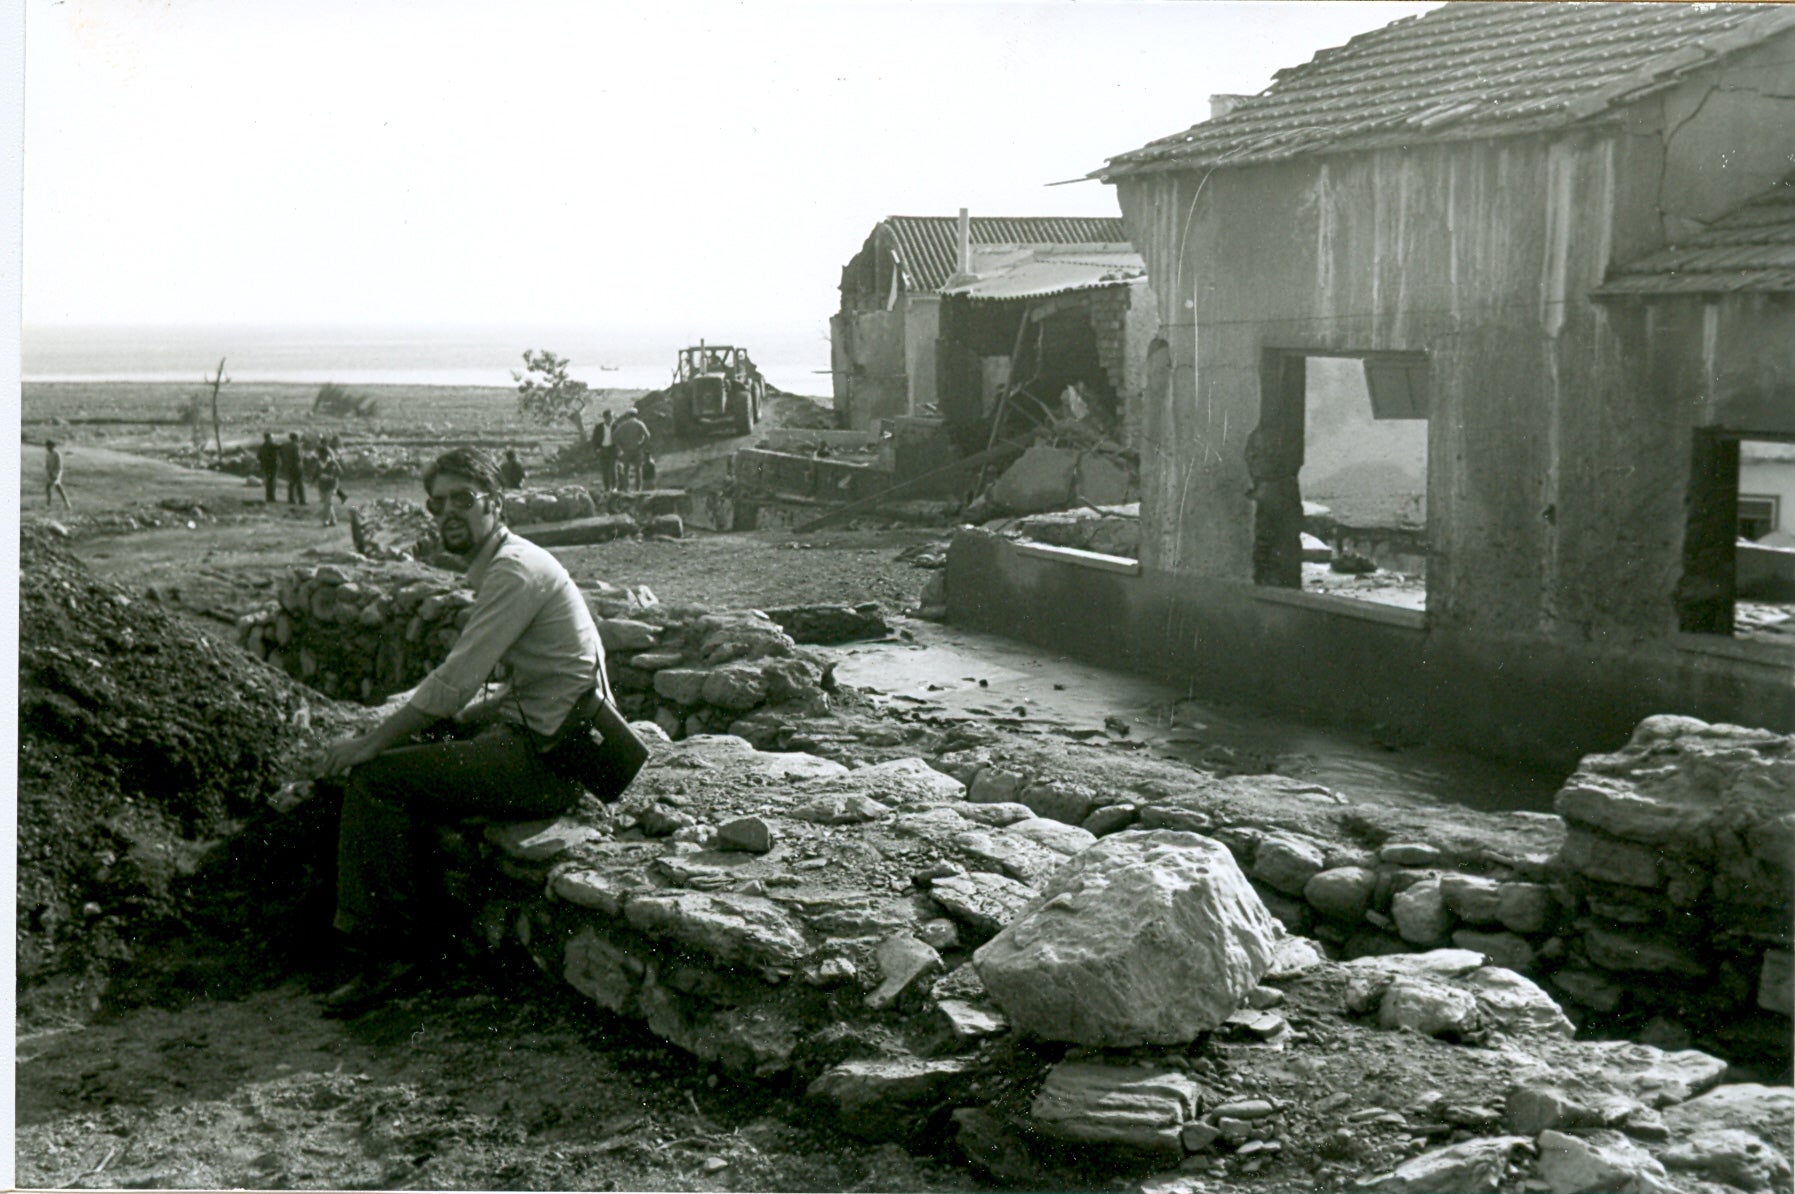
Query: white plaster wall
point(1349, 454)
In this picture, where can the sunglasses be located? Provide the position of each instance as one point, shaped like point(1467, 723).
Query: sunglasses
point(461, 500)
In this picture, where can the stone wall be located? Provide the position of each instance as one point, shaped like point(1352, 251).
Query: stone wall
point(1666, 911)
point(364, 632)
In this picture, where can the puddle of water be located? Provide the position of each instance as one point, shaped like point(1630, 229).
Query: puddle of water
point(962, 673)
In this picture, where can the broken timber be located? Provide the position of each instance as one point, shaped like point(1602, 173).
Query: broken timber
point(966, 464)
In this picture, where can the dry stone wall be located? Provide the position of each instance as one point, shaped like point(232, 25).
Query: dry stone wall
point(868, 934)
point(1667, 909)
point(366, 631)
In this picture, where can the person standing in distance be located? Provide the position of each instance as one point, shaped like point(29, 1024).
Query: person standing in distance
point(268, 464)
point(293, 466)
point(53, 478)
point(527, 616)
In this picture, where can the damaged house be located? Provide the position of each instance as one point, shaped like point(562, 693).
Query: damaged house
point(1478, 212)
point(883, 340)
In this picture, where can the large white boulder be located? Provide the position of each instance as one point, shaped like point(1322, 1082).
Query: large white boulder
point(1147, 937)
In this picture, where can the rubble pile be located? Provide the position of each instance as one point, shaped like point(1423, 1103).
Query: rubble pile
point(141, 743)
point(1060, 1005)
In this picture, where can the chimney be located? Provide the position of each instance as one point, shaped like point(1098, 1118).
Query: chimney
point(1221, 105)
point(965, 242)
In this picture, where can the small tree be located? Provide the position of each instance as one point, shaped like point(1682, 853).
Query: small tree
point(545, 394)
point(215, 381)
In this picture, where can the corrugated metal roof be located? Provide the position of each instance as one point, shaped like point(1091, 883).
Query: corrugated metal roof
point(1751, 248)
point(1467, 69)
point(928, 247)
point(1055, 273)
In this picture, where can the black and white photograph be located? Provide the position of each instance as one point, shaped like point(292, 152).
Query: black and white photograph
point(1162, 596)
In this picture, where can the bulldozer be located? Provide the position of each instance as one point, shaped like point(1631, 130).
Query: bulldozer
point(716, 390)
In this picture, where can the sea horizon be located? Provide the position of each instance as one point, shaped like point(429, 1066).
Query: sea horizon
point(395, 354)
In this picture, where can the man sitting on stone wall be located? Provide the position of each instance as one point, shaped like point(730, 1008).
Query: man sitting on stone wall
point(529, 621)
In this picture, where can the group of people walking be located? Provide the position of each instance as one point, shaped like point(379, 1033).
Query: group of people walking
point(294, 461)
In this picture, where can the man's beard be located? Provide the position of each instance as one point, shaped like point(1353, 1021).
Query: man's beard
point(456, 536)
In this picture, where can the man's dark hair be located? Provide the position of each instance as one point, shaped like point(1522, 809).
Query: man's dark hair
point(49, 443)
point(477, 466)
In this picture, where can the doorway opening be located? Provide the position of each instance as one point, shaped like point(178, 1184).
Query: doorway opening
point(1739, 537)
point(1338, 464)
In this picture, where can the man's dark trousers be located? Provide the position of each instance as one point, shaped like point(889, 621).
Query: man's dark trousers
point(296, 489)
point(268, 486)
point(386, 841)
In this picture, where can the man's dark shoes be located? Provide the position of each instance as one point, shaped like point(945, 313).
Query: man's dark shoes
point(379, 983)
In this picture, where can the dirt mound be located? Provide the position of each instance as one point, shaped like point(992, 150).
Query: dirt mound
point(142, 745)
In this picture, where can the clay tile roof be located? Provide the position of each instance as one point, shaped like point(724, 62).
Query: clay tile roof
point(1466, 70)
point(1751, 248)
point(928, 247)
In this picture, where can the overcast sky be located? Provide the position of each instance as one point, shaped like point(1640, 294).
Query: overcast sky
point(540, 161)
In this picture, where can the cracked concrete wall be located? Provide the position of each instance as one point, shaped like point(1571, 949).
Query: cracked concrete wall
point(1555, 472)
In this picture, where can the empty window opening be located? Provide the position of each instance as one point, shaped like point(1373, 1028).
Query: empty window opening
point(1738, 544)
point(1339, 470)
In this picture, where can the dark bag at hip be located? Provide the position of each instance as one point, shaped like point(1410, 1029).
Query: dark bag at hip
point(597, 749)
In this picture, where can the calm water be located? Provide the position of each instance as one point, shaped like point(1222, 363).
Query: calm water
point(795, 362)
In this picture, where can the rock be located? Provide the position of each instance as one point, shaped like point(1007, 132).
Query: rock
point(1776, 982)
point(1287, 862)
point(602, 891)
point(1244, 1109)
point(996, 786)
point(1471, 899)
point(657, 820)
point(1614, 949)
point(1589, 989)
point(1516, 1004)
point(681, 685)
point(831, 972)
point(1148, 937)
point(1597, 856)
point(623, 634)
point(1291, 956)
point(1170, 816)
point(1199, 1136)
point(1263, 998)
point(1068, 803)
point(1292, 914)
point(889, 1098)
point(538, 841)
point(980, 900)
point(1343, 893)
point(1728, 1156)
point(728, 928)
point(1007, 812)
point(1057, 836)
point(1256, 1025)
point(1420, 913)
point(1763, 1111)
point(1653, 1076)
point(1602, 1160)
point(902, 961)
point(603, 972)
point(993, 1145)
point(1017, 857)
point(1137, 1107)
point(1041, 480)
point(735, 686)
point(965, 1022)
point(913, 779)
point(1111, 818)
point(1504, 949)
point(1414, 854)
point(1470, 1167)
point(749, 835)
point(841, 810)
point(939, 933)
point(654, 661)
point(1525, 907)
point(1428, 1007)
point(1537, 1103)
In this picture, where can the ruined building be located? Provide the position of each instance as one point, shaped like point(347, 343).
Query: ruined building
point(1501, 216)
point(883, 341)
